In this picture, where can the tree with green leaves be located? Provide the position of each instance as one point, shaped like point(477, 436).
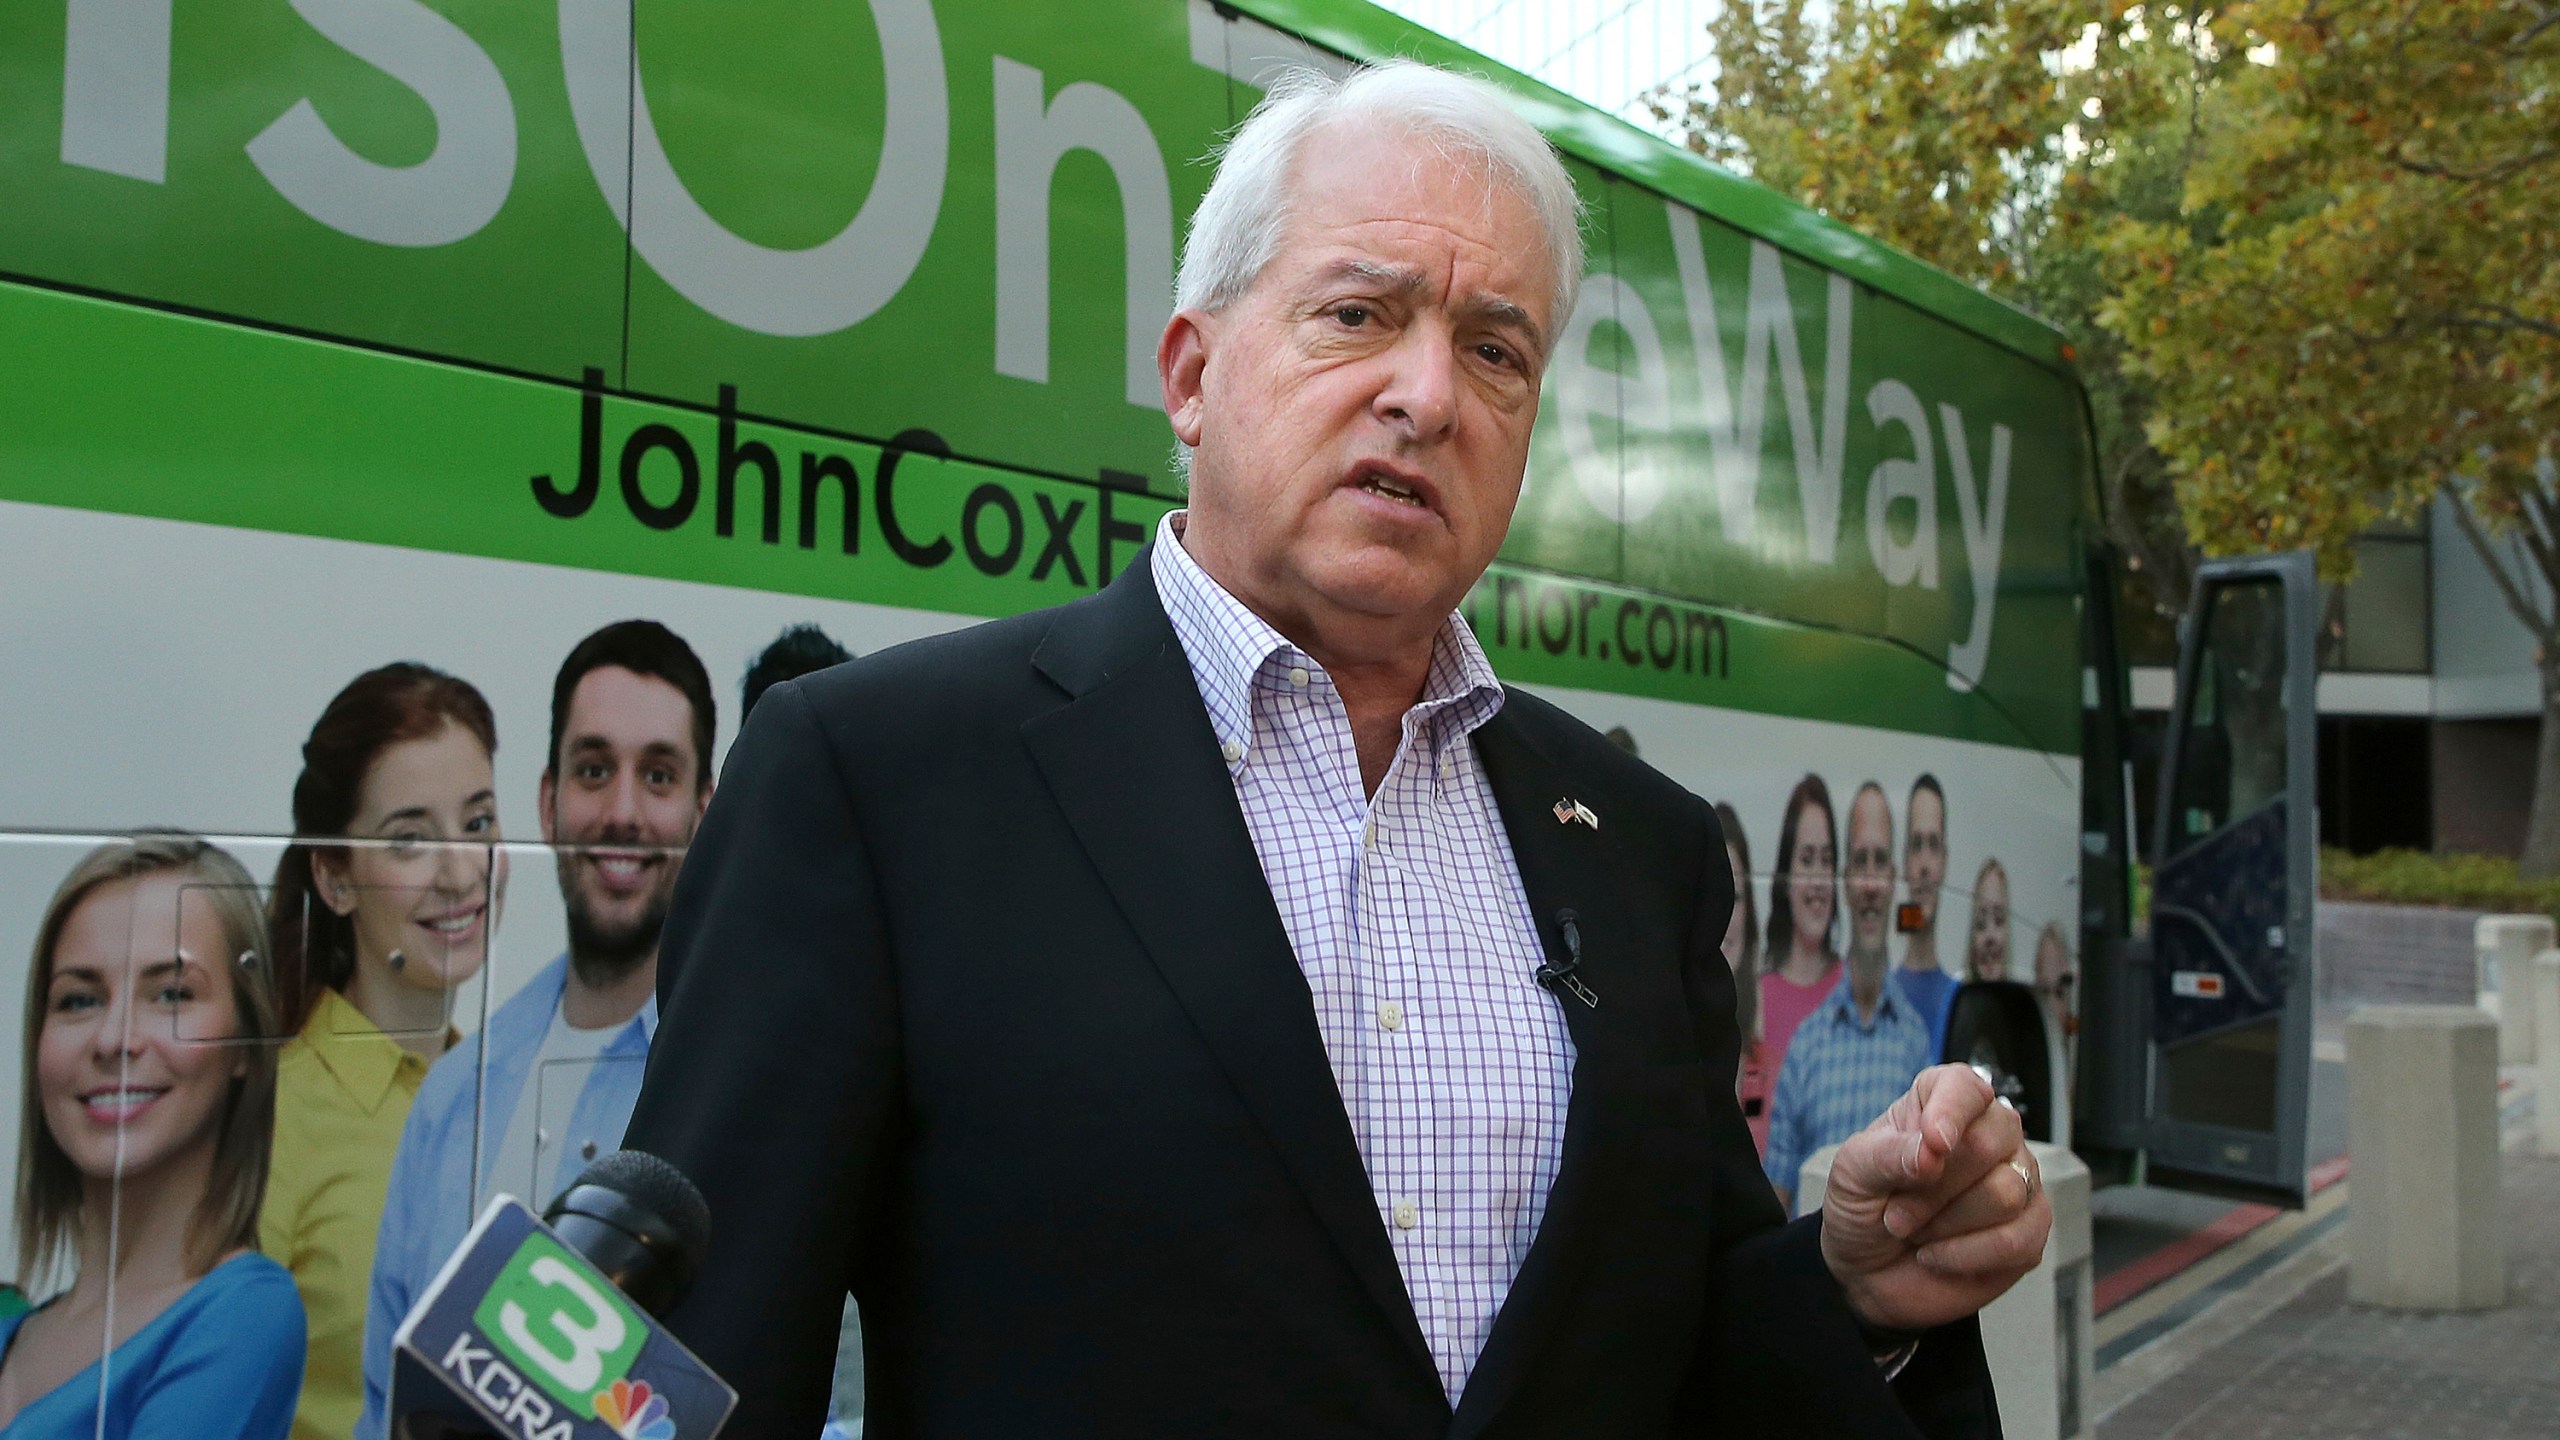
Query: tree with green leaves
point(2356, 307)
point(1995, 139)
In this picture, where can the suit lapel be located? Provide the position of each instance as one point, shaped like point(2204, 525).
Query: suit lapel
point(1563, 866)
point(1133, 763)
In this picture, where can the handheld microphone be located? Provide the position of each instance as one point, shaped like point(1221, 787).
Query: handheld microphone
point(547, 1334)
point(640, 1221)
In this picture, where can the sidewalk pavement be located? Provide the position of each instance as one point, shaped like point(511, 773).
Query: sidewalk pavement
point(2293, 1358)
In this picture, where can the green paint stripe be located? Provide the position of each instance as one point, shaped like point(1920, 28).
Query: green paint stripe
point(133, 411)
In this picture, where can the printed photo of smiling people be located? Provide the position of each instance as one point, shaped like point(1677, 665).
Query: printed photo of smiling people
point(385, 784)
point(1863, 901)
point(380, 913)
point(548, 1082)
point(148, 1079)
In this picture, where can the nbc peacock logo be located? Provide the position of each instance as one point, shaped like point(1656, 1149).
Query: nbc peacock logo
point(634, 1411)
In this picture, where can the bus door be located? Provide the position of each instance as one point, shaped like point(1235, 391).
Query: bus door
point(2227, 1076)
point(2106, 1058)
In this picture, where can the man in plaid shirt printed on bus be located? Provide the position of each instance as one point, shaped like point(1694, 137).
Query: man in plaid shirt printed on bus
point(1856, 1054)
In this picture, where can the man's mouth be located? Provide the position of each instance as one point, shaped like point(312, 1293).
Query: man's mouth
point(621, 869)
point(1388, 483)
point(122, 1103)
point(1381, 485)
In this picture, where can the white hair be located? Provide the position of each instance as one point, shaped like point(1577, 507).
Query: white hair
point(1236, 231)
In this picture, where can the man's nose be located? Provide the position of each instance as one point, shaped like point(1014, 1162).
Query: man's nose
point(622, 801)
point(1420, 396)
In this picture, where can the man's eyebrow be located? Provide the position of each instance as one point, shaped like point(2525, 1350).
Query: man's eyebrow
point(1396, 279)
point(1503, 312)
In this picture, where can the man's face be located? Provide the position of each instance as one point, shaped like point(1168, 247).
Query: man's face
point(1869, 872)
point(1360, 417)
point(1924, 854)
point(623, 797)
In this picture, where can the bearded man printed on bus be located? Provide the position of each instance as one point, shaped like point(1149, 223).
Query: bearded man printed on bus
point(549, 1082)
point(1219, 1006)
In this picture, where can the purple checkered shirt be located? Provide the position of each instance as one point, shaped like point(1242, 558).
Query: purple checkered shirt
point(1409, 921)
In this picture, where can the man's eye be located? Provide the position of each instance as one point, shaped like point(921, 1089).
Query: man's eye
point(592, 772)
point(1351, 316)
point(660, 778)
point(1498, 355)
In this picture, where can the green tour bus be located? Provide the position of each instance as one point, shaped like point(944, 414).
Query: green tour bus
point(336, 334)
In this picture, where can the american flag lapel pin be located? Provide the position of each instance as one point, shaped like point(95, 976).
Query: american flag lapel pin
point(1569, 810)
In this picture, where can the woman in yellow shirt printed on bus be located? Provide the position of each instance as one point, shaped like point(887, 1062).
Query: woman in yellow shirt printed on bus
point(380, 911)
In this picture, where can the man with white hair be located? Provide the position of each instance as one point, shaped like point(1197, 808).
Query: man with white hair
point(1219, 1007)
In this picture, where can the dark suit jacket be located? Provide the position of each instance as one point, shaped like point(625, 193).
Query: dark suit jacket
point(974, 1002)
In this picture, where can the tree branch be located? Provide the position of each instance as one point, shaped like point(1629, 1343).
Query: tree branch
point(2399, 158)
point(2545, 629)
point(2543, 534)
point(2533, 32)
point(2500, 317)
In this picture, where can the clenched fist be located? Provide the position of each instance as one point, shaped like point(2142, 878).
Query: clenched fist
point(1936, 1208)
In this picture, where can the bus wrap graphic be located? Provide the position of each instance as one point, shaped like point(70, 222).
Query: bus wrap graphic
point(1748, 405)
point(570, 1335)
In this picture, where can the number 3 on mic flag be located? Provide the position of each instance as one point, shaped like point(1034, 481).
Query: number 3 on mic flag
point(524, 1331)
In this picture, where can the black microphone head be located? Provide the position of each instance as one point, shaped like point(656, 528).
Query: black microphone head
point(658, 1185)
point(640, 1221)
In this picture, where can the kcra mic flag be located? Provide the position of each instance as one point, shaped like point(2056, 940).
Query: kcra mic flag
point(520, 1332)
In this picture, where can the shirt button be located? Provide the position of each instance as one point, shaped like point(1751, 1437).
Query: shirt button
point(1297, 677)
point(1232, 750)
point(587, 1151)
point(1391, 1016)
point(1407, 1214)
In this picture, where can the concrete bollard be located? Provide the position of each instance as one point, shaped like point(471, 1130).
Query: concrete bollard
point(2038, 1335)
point(2546, 1020)
point(2506, 945)
point(2423, 1224)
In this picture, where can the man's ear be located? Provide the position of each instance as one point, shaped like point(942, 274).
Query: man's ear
point(1182, 360)
point(550, 791)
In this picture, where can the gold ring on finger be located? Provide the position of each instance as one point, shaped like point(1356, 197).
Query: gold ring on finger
point(2027, 1172)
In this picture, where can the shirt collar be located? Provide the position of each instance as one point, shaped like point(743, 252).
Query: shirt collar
point(364, 1061)
point(1229, 648)
point(1842, 1006)
point(644, 1024)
